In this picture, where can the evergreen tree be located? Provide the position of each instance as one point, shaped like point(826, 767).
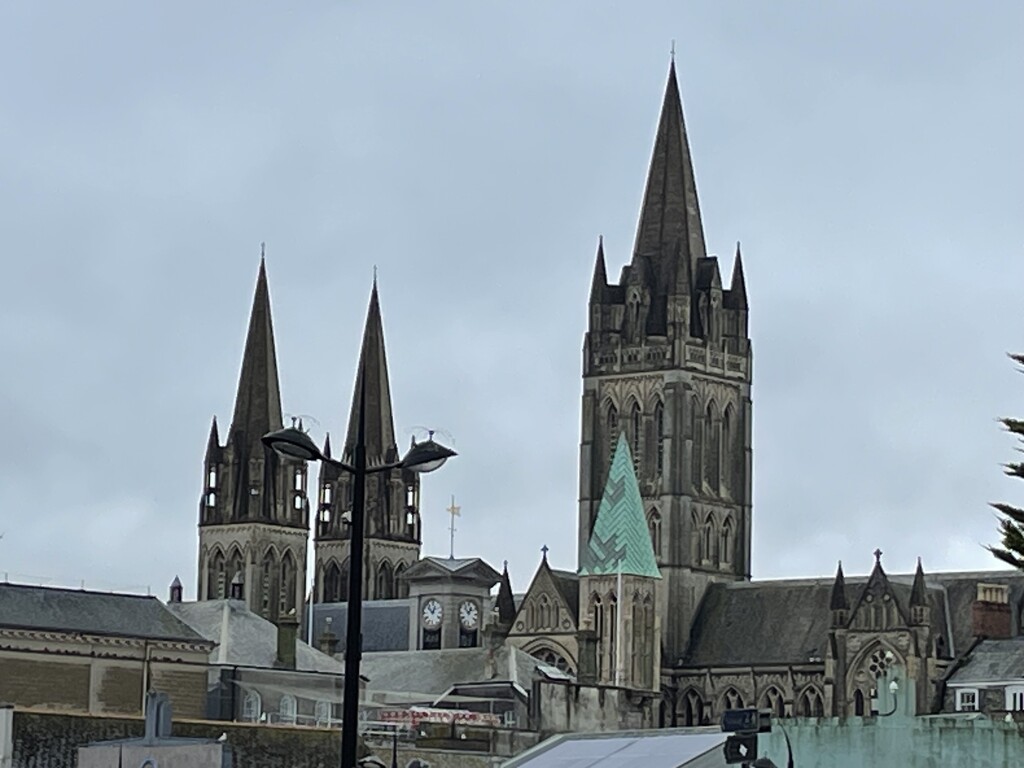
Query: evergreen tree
point(1011, 525)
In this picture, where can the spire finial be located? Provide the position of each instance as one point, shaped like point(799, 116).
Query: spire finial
point(374, 275)
point(505, 565)
point(673, 54)
point(263, 251)
point(544, 552)
point(878, 556)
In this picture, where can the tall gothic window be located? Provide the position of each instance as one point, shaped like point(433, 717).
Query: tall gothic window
point(772, 699)
point(385, 581)
point(637, 426)
point(732, 700)
point(215, 579)
point(659, 437)
point(811, 704)
point(696, 435)
point(268, 582)
point(612, 631)
point(654, 523)
point(728, 456)
point(693, 708)
point(725, 542)
point(401, 588)
point(708, 543)
point(713, 447)
point(288, 584)
point(613, 431)
point(597, 609)
point(336, 583)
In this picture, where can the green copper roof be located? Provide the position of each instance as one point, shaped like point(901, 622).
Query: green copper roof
point(620, 541)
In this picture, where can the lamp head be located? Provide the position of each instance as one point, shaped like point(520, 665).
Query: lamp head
point(894, 686)
point(426, 456)
point(293, 443)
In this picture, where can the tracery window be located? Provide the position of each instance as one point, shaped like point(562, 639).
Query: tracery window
point(693, 708)
point(637, 434)
point(654, 523)
point(732, 699)
point(811, 703)
point(659, 436)
point(772, 699)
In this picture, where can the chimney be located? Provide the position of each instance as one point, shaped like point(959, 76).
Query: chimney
point(990, 613)
point(287, 636)
point(175, 590)
point(328, 640)
point(237, 591)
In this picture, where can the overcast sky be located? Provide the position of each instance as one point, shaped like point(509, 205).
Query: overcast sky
point(868, 156)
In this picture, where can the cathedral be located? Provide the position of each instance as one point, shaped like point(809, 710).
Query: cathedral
point(662, 601)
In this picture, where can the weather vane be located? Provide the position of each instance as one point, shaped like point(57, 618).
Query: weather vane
point(454, 511)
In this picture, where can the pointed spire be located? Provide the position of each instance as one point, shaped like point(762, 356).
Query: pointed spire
point(327, 446)
point(505, 602)
point(213, 443)
point(670, 224)
point(736, 296)
point(620, 541)
point(373, 366)
point(838, 601)
point(918, 595)
point(258, 402)
point(600, 281)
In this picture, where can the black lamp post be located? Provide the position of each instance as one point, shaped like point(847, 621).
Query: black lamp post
point(422, 457)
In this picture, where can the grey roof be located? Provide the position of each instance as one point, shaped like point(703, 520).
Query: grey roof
point(961, 588)
point(992, 661)
point(96, 613)
point(385, 623)
point(781, 622)
point(246, 639)
point(568, 585)
point(669, 748)
point(433, 673)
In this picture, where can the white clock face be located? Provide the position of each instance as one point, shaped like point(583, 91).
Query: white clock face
point(468, 614)
point(432, 613)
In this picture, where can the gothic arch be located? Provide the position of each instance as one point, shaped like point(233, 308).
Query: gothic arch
point(289, 583)
point(732, 699)
point(659, 437)
point(772, 699)
point(729, 451)
point(708, 538)
point(542, 647)
point(811, 703)
point(236, 562)
point(269, 581)
point(712, 447)
point(216, 577)
point(693, 708)
point(544, 612)
point(401, 588)
point(696, 435)
point(870, 664)
point(654, 526)
point(695, 538)
point(725, 541)
point(612, 425)
point(385, 581)
point(336, 581)
point(636, 431)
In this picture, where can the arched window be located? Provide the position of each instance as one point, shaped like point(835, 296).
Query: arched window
point(544, 613)
point(235, 566)
point(712, 446)
point(654, 523)
point(322, 712)
point(696, 433)
point(385, 581)
point(772, 699)
point(287, 709)
point(659, 437)
point(708, 548)
point(811, 703)
point(401, 588)
point(613, 431)
point(268, 583)
point(725, 542)
point(597, 617)
point(552, 659)
point(252, 707)
point(732, 700)
point(611, 632)
point(637, 429)
point(216, 583)
point(693, 708)
point(728, 451)
point(288, 584)
point(336, 583)
point(858, 703)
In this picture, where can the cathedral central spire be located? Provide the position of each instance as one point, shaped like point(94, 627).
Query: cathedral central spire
point(258, 401)
point(373, 366)
point(670, 224)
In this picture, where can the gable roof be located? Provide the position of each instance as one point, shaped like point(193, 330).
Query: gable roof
point(470, 568)
point(620, 541)
point(564, 584)
point(94, 613)
point(245, 638)
point(992, 661)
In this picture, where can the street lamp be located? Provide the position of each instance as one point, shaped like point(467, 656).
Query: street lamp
point(293, 443)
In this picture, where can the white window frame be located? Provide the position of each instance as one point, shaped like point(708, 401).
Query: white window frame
point(1015, 698)
point(252, 707)
point(288, 709)
point(963, 693)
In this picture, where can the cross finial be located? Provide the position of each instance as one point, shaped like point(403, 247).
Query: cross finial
point(673, 50)
point(878, 556)
point(544, 551)
point(263, 250)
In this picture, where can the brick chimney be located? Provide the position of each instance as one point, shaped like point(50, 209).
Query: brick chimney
point(990, 614)
point(287, 636)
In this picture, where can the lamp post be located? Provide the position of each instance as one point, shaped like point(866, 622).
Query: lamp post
point(293, 443)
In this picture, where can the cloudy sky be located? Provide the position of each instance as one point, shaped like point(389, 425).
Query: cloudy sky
point(867, 155)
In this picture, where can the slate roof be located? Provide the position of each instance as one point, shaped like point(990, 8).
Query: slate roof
point(961, 589)
point(666, 748)
point(95, 613)
point(782, 622)
point(247, 639)
point(620, 541)
point(432, 673)
point(385, 623)
point(992, 661)
point(568, 585)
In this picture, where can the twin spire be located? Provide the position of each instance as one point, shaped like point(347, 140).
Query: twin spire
point(258, 400)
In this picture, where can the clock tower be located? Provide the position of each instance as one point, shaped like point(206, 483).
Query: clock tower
point(448, 597)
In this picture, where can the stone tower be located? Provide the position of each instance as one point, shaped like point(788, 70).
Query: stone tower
point(618, 583)
point(254, 515)
point(667, 364)
point(392, 496)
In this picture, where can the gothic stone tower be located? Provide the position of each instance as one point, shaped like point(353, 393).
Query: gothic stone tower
point(667, 363)
point(392, 497)
point(254, 516)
